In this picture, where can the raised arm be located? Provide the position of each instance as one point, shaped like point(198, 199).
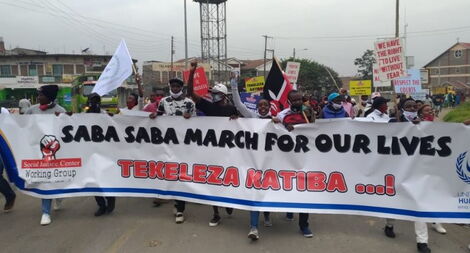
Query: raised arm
point(247, 113)
point(195, 97)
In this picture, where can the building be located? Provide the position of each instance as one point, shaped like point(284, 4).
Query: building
point(450, 69)
point(22, 71)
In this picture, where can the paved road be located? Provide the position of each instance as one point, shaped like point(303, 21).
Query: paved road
point(136, 226)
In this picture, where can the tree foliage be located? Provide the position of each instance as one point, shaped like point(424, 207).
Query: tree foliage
point(365, 65)
point(314, 78)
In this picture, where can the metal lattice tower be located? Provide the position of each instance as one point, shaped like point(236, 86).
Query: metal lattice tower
point(213, 33)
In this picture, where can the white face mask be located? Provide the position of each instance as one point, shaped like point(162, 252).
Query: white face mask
point(410, 115)
point(336, 106)
point(216, 97)
point(176, 95)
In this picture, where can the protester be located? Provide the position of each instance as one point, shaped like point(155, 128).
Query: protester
point(220, 107)
point(46, 97)
point(409, 113)
point(135, 102)
point(262, 112)
point(24, 104)
point(176, 105)
point(5, 187)
point(154, 101)
point(347, 105)
point(361, 106)
point(105, 204)
point(379, 110)
point(297, 113)
point(334, 108)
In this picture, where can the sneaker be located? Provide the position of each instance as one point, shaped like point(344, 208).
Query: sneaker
point(439, 228)
point(45, 219)
point(100, 211)
point(306, 232)
point(253, 235)
point(289, 216)
point(57, 204)
point(389, 231)
point(267, 222)
point(423, 248)
point(215, 221)
point(229, 210)
point(9, 204)
point(179, 218)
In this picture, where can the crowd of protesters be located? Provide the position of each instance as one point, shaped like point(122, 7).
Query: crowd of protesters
point(302, 110)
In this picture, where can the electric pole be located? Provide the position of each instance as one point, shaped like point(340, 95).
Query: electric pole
point(265, 50)
point(185, 38)
point(397, 19)
point(172, 53)
point(293, 55)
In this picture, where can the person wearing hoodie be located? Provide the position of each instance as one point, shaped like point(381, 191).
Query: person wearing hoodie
point(334, 108)
point(46, 97)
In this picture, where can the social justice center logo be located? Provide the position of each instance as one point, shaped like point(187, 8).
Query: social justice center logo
point(460, 164)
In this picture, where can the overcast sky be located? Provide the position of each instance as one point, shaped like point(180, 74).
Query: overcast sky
point(334, 32)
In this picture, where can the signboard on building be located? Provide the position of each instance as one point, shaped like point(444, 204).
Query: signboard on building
point(67, 78)
point(30, 82)
point(292, 71)
point(424, 76)
point(420, 95)
point(360, 87)
point(391, 59)
point(254, 84)
point(409, 84)
point(377, 82)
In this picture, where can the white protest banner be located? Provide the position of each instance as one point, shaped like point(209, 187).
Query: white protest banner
point(377, 82)
point(119, 68)
point(409, 84)
point(403, 170)
point(292, 71)
point(390, 58)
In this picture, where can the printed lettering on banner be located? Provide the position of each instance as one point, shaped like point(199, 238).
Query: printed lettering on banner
point(390, 58)
point(254, 84)
point(360, 87)
point(409, 84)
point(201, 85)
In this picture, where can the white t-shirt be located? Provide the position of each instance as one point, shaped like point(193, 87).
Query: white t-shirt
point(4, 111)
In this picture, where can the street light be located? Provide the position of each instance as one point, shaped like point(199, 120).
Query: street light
point(293, 54)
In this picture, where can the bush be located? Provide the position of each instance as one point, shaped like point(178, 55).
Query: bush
point(459, 114)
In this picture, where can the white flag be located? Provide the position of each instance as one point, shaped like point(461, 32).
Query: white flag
point(119, 68)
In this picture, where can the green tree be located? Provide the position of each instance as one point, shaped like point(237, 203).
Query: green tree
point(365, 65)
point(314, 78)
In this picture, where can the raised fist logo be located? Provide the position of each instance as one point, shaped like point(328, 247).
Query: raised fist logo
point(49, 147)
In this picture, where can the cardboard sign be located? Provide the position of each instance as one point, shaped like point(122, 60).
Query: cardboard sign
point(391, 59)
point(250, 100)
point(292, 71)
point(410, 84)
point(359, 88)
point(201, 85)
point(377, 82)
point(254, 84)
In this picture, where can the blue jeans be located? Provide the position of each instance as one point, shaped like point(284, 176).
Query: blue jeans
point(46, 205)
point(254, 218)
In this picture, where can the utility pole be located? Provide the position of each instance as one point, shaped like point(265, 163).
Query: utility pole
point(397, 19)
point(265, 50)
point(293, 55)
point(185, 38)
point(172, 53)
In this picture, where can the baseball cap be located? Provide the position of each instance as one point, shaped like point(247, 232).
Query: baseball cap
point(332, 96)
point(379, 101)
point(177, 81)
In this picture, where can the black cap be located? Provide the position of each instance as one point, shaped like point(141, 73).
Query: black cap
point(177, 81)
point(378, 101)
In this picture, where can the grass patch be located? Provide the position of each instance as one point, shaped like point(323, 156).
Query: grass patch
point(459, 114)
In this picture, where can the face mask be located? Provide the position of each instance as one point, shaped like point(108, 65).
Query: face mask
point(336, 106)
point(45, 107)
point(216, 97)
point(410, 115)
point(176, 95)
point(428, 118)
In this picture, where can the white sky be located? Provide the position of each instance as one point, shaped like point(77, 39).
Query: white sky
point(329, 29)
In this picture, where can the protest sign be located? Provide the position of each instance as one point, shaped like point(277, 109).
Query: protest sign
point(417, 172)
point(292, 71)
point(201, 85)
point(250, 100)
point(390, 58)
point(359, 88)
point(254, 84)
point(409, 84)
point(377, 82)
